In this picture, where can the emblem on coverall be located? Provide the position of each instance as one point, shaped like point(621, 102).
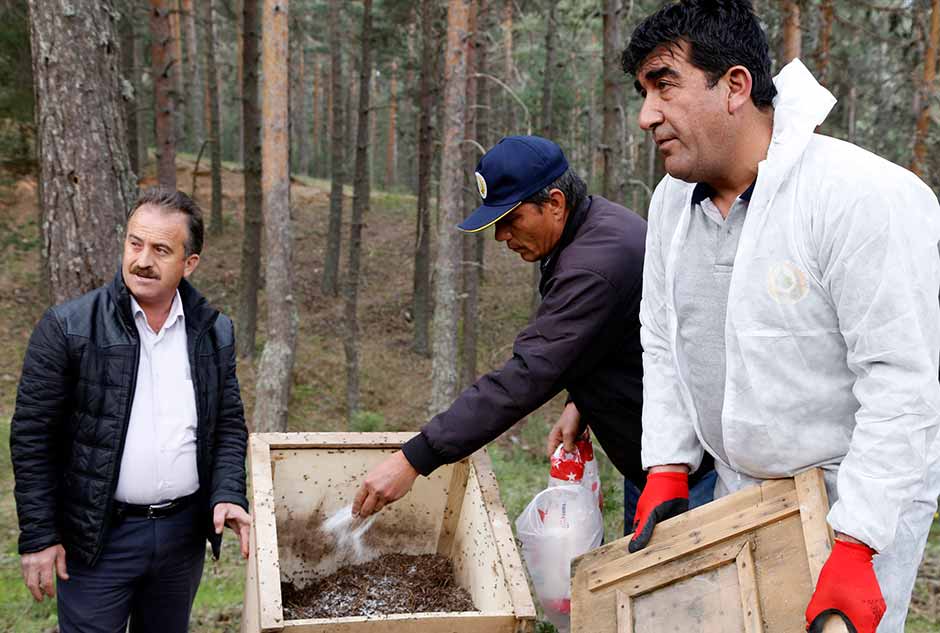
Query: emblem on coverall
point(786, 283)
point(481, 184)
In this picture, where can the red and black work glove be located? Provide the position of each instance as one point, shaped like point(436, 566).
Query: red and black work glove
point(666, 494)
point(847, 587)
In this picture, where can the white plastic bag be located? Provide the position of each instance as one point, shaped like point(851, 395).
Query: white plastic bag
point(560, 523)
point(592, 477)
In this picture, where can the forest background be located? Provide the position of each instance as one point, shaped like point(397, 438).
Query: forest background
point(333, 156)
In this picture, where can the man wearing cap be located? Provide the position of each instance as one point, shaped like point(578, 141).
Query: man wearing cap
point(585, 335)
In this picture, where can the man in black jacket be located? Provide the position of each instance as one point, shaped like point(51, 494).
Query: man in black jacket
point(128, 440)
point(585, 336)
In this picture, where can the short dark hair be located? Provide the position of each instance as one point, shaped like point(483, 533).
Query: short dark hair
point(570, 184)
point(720, 34)
point(176, 202)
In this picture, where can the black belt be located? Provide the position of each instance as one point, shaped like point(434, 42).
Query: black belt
point(154, 511)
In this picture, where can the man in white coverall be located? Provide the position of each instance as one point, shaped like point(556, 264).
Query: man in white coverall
point(790, 313)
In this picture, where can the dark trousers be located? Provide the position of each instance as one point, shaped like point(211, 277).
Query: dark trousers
point(148, 572)
point(701, 493)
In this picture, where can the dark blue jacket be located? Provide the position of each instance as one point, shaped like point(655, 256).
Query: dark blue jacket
point(585, 338)
point(72, 411)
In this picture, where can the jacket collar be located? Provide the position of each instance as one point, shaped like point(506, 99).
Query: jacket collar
point(801, 105)
point(199, 314)
point(576, 218)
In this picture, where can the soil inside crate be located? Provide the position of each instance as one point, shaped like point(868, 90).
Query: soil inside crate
point(392, 583)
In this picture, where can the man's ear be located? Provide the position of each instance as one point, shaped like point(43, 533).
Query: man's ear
point(190, 265)
point(740, 84)
point(558, 204)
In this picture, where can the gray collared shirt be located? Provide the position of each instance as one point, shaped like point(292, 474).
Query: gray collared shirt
point(703, 276)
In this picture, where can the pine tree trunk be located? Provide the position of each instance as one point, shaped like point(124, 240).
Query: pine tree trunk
point(509, 107)
point(360, 207)
point(329, 284)
point(447, 265)
point(373, 137)
point(215, 124)
point(826, 16)
point(131, 74)
point(792, 35)
point(351, 100)
point(178, 105)
point(194, 89)
point(272, 391)
point(313, 167)
point(299, 117)
point(928, 92)
point(239, 83)
point(612, 187)
point(249, 279)
point(86, 182)
point(548, 76)
point(391, 147)
point(470, 297)
point(421, 298)
point(165, 67)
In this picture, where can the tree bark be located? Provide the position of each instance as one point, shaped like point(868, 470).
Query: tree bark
point(130, 49)
point(299, 127)
point(165, 67)
point(313, 165)
point(177, 40)
point(612, 187)
point(391, 147)
point(194, 109)
point(826, 16)
point(470, 297)
point(548, 77)
point(444, 360)
point(249, 279)
point(329, 283)
point(272, 391)
point(791, 31)
point(360, 207)
point(928, 93)
point(215, 123)
point(86, 182)
point(509, 107)
point(421, 298)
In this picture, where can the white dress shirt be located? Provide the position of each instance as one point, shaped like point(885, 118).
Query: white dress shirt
point(159, 459)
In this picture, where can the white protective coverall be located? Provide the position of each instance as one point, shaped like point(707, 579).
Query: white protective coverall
point(832, 336)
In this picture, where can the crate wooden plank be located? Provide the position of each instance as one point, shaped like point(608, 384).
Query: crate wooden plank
point(410, 623)
point(686, 522)
point(250, 614)
point(455, 496)
point(700, 538)
point(747, 583)
point(299, 479)
point(810, 489)
point(270, 613)
point(336, 440)
point(509, 557)
point(723, 563)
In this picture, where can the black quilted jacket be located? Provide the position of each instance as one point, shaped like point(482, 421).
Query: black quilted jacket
point(72, 410)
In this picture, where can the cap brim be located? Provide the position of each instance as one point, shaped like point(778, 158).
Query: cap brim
point(485, 216)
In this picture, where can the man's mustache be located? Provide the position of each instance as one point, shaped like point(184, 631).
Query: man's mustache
point(146, 273)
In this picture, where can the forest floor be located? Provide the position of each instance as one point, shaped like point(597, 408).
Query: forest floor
point(395, 382)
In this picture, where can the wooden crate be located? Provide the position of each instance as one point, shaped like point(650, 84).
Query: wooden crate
point(745, 563)
point(298, 479)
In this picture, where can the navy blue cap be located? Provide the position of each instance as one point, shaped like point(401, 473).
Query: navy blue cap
point(514, 169)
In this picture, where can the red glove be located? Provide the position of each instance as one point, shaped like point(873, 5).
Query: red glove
point(848, 587)
point(666, 494)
